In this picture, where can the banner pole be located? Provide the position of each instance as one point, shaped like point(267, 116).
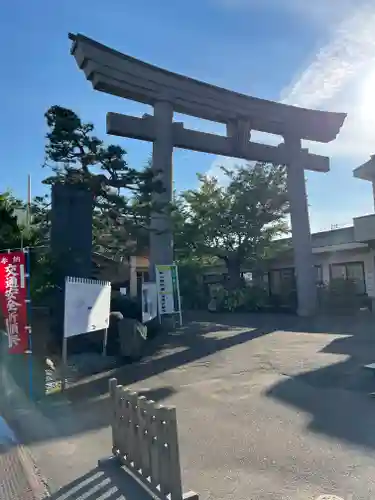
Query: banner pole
point(28, 304)
point(28, 220)
point(157, 294)
point(105, 342)
point(178, 294)
point(64, 357)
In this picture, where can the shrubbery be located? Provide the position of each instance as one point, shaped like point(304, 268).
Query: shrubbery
point(192, 288)
point(245, 299)
point(340, 296)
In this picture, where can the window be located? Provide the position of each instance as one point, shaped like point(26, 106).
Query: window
point(275, 282)
point(281, 280)
point(350, 270)
point(142, 277)
point(318, 274)
point(338, 271)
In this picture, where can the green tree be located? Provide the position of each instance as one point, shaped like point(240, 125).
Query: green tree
point(40, 217)
point(10, 234)
point(14, 232)
point(122, 194)
point(236, 221)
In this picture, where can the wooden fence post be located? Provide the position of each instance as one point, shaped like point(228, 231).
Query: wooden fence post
point(145, 440)
point(114, 413)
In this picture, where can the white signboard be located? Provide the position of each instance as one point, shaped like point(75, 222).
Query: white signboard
point(149, 302)
point(87, 306)
point(168, 290)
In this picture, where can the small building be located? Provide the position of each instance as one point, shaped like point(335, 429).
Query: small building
point(129, 272)
point(337, 254)
point(347, 252)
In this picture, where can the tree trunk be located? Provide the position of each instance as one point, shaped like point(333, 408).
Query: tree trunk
point(234, 272)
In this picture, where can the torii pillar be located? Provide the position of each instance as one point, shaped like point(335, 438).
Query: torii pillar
point(161, 234)
point(301, 236)
point(124, 76)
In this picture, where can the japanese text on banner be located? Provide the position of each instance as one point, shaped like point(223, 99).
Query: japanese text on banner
point(13, 300)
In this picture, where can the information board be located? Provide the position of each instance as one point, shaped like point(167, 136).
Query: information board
point(168, 290)
point(87, 305)
point(86, 309)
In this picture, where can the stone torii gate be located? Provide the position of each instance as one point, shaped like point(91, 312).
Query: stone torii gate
point(118, 74)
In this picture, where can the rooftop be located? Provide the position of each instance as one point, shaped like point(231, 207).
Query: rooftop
point(119, 74)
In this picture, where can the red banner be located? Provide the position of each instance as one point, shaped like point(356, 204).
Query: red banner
point(13, 294)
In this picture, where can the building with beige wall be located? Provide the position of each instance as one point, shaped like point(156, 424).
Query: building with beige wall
point(337, 254)
point(347, 252)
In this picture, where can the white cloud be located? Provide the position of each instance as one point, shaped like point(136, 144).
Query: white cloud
point(215, 170)
point(340, 77)
point(317, 11)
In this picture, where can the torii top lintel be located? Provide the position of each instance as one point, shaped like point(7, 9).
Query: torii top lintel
point(115, 73)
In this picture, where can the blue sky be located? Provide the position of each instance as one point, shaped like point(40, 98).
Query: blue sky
point(319, 54)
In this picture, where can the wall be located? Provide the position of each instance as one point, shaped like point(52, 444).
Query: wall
point(364, 228)
point(116, 272)
point(328, 258)
point(325, 259)
point(334, 237)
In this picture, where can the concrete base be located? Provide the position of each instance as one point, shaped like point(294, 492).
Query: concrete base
point(190, 495)
point(370, 367)
point(112, 460)
point(169, 322)
point(302, 313)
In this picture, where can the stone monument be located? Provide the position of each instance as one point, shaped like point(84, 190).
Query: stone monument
point(71, 241)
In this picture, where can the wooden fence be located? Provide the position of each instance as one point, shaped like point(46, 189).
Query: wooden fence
point(145, 440)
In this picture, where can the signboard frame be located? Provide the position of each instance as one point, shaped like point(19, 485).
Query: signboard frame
point(168, 290)
point(149, 301)
point(90, 301)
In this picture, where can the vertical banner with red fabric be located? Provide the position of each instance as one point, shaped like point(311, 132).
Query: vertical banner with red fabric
point(13, 295)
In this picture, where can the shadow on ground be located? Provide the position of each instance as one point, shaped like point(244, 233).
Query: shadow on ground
point(337, 397)
point(85, 407)
point(110, 482)
point(84, 416)
point(339, 325)
point(191, 343)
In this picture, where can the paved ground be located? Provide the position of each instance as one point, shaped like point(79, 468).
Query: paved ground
point(19, 477)
point(268, 408)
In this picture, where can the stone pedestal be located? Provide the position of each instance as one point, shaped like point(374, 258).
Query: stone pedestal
point(301, 237)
